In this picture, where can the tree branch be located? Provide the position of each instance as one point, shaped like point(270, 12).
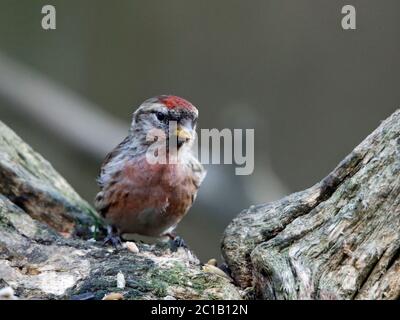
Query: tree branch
point(339, 239)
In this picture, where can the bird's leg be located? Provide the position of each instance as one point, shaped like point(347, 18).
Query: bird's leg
point(176, 241)
point(113, 237)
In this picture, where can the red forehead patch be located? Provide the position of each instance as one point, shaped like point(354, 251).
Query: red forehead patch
point(172, 102)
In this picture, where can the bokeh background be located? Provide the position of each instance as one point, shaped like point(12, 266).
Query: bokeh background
point(311, 90)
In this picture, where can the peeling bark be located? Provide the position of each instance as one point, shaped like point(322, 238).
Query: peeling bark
point(339, 239)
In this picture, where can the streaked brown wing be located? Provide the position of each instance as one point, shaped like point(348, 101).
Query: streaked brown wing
point(110, 156)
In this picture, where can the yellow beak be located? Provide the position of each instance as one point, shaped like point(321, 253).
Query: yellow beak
point(183, 134)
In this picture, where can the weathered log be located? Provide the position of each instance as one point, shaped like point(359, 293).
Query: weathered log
point(339, 239)
point(31, 182)
point(46, 253)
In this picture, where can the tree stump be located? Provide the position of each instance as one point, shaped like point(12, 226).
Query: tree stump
point(339, 239)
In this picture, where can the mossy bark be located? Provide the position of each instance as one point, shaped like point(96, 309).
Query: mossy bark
point(339, 239)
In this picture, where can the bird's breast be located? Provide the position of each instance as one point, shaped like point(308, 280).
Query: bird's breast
point(143, 188)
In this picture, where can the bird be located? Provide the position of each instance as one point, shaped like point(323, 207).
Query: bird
point(150, 198)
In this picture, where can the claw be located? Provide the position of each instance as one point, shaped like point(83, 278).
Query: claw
point(177, 243)
point(112, 238)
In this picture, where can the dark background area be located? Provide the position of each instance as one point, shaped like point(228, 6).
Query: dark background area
point(311, 90)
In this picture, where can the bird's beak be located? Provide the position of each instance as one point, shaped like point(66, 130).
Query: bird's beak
point(183, 134)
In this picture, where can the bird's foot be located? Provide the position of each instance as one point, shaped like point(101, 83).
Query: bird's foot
point(113, 238)
point(177, 242)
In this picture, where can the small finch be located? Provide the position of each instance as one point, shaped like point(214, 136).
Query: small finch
point(138, 196)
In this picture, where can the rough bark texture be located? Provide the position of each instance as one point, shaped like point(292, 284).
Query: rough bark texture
point(339, 239)
point(30, 182)
point(44, 254)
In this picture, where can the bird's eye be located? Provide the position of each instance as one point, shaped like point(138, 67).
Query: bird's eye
point(161, 116)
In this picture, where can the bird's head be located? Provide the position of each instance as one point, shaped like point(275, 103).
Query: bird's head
point(165, 113)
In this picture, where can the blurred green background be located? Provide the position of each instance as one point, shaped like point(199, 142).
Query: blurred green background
point(311, 90)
